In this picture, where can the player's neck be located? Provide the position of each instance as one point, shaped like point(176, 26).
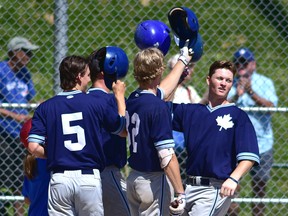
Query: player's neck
point(100, 84)
point(218, 102)
point(151, 88)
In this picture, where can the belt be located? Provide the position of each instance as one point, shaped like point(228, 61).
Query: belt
point(198, 181)
point(82, 171)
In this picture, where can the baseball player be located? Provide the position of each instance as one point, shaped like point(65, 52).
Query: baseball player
point(150, 138)
point(71, 122)
point(221, 145)
point(115, 152)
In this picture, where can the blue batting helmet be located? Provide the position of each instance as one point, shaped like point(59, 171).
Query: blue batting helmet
point(116, 65)
point(184, 24)
point(112, 60)
point(197, 48)
point(153, 33)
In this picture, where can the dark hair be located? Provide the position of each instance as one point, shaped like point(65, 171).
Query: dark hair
point(96, 62)
point(70, 68)
point(229, 65)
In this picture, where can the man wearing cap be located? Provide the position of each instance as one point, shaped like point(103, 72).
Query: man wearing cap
point(251, 89)
point(16, 86)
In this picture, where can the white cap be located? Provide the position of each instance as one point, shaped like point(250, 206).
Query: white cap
point(21, 43)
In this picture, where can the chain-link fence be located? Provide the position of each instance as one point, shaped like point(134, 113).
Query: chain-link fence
point(78, 27)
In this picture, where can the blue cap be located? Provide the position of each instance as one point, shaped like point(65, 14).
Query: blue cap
point(243, 55)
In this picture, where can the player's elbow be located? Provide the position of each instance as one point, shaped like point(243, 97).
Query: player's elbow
point(36, 149)
point(165, 156)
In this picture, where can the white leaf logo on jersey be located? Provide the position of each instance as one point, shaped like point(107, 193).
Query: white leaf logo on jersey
point(224, 122)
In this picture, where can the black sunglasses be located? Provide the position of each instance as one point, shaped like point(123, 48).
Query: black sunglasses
point(28, 52)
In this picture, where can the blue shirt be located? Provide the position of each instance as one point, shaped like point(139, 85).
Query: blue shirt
point(216, 138)
point(114, 146)
point(36, 190)
point(149, 127)
point(72, 122)
point(261, 121)
point(14, 88)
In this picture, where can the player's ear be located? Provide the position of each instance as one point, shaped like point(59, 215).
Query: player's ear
point(101, 75)
point(208, 80)
point(78, 79)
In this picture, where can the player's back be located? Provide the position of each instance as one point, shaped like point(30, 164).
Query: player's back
point(72, 123)
point(148, 123)
point(114, 146)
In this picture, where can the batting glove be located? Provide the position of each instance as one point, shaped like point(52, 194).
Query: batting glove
point(176, 207)
point(186, 53)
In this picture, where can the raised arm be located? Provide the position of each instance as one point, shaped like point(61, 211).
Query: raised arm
point(119, 88)
point(170, 82)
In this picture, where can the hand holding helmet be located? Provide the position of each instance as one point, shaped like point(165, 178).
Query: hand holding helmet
point(185, 26)
point(112, 61)
point(177, 206)
point(186, 54)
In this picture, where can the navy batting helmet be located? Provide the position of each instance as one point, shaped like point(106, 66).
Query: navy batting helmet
point(153, 33)
point(184, 24)
point(112, 60)
point(116, 65)
point(197, 48)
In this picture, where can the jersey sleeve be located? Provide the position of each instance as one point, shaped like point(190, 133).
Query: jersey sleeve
point(246, 140)
point(38, 130)
point(161, 129)
point(112, 121)
point(177, 115)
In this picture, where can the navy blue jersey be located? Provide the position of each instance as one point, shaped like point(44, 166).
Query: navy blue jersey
point(216, 139)
point(72, 122)
point(114, 146)
point(149, 127)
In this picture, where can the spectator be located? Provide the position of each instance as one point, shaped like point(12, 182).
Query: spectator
point(252, 89)
point(71, 122)
point(16, 86)
point(35, 186)
point(151, 144)
point(36, 178)
point(184, 93)
point(114, 146)
point(221, 145)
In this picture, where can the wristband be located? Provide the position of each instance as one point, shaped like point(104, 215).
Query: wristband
point(251, 92)
point(233, 179)
point(177, 194)
point(183, 59)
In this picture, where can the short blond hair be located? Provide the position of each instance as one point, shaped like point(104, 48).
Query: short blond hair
point(148, 64)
